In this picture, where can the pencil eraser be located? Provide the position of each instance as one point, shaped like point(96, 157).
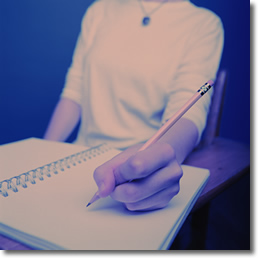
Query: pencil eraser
point(210, 82)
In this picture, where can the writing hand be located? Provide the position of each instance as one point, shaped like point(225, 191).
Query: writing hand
point(144, 180)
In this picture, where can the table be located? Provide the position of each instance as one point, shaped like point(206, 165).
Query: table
point(227, 161)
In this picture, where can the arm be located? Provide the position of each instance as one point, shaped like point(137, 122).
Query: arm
point(68, 110)
point(157, 170)
point(64, 119)
point(182, 137)
point(148, 179)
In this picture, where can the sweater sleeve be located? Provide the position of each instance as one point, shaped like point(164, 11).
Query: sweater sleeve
point(199, 64)
point(74, 76)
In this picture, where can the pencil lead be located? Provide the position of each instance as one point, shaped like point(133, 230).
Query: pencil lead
point(93, 199)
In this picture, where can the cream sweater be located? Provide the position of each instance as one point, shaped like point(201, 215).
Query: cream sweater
point(129, 79)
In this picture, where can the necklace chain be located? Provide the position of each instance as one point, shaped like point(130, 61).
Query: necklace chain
point(146, 19)
point(152, 11)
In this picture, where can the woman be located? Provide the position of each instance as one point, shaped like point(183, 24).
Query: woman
point(135, 64)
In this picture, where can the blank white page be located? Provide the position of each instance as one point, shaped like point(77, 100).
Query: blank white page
point(54, 211)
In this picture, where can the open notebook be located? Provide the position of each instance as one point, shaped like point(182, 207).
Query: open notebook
point(44, 189)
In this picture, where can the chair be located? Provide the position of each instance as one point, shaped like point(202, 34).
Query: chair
point(199, 220)
point(227, 160)
point(214, 117)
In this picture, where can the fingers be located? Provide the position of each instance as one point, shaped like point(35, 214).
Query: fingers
point(145, 162)
point(152, 192)
point(157, 201)
point(105, 180)
point(104, 175)
point(155, 173)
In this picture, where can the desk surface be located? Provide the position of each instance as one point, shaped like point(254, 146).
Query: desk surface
point(227, 161)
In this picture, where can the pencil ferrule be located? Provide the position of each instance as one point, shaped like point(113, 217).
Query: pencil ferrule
point(204, 88)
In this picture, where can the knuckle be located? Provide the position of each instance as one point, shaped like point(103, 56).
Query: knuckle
point(179, 172)
point(131, 206)
point(101, 174)
point(176, 173)
point(130, 193)
point(98, 173)
point(163, 204)
point(174, 177)
point(168, 151)
point(176, 189)
point(173, 191)
point(137, 165)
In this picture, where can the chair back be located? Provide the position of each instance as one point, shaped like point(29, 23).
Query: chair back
point(214, 116)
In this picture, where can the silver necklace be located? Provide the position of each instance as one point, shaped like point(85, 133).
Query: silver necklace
point(146, 19)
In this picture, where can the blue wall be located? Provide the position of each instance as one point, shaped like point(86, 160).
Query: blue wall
point(37, 39)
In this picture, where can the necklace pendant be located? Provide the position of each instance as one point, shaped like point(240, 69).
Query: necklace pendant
point(146, 21)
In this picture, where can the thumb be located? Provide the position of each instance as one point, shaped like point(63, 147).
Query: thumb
point(105, 181)
point(108, 175)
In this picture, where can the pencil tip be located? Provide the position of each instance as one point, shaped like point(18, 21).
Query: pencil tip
point(93, 199)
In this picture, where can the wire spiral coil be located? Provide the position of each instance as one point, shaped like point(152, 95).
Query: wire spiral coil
point(53, 168)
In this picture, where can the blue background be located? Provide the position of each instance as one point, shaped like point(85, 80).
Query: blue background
point(37, 39)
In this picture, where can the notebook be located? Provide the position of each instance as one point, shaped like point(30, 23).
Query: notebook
point(44, 189)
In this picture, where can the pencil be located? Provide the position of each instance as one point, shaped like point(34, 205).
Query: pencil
point(169, 123)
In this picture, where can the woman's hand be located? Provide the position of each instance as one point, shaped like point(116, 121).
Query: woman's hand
point(144, 180)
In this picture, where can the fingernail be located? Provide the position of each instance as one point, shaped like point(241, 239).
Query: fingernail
point(102, 187)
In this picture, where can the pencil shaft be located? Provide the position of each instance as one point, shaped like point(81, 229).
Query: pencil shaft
point(172, 121)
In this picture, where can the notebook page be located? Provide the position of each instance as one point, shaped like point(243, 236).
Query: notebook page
point(22, 156)
point(54, 210)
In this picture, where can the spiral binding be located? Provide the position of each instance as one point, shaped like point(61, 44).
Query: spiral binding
point(32, 176)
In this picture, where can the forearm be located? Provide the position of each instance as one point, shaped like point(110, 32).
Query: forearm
point(63, 121)
point(148, 179)
point(182, 137)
